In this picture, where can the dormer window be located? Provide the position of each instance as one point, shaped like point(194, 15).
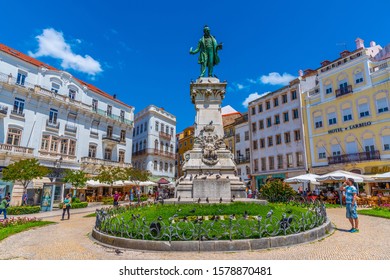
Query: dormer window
point(21, 78)
point(72, 94)
point(55, 87)
point(109, 110)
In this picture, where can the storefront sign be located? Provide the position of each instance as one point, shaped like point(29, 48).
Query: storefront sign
point(353, 126)
point(377, 169)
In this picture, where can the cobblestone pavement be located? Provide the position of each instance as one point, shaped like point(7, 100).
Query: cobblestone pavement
point(70, 240)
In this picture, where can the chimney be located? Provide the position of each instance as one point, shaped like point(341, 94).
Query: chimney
point(372, 44)
point(359, 43)
point(300, 72)
point(114, 96)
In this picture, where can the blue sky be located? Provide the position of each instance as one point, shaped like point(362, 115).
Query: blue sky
point(139, 50)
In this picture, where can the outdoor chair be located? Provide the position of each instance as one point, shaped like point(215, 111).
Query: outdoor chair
point(373, 201)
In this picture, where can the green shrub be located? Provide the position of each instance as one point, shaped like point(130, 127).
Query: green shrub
point(108, 201)
point(21, 210)
point(75, 205)
point(277, 191)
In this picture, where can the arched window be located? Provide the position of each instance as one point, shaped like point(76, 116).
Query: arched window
point(171, 148)
point(14, 136)
point(161, 166)
point(107, 154)
point(156, 144)
point(121, 157)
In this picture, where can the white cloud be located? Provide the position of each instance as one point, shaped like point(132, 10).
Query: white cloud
point(52, 44)
point(240, 86)
point(251, 97)
point(275, 78)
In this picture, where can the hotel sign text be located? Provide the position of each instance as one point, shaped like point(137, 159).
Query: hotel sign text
point(353, 126)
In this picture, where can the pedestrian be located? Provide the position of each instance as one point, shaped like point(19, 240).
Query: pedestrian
point(24, 199)
point(66, 206)
point(131, 196)
point(116, 198)
point(138, 195)
point(3, 206)
point(351, 205)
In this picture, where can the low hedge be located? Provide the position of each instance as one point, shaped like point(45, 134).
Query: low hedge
point(75, 205)
point(22, 210)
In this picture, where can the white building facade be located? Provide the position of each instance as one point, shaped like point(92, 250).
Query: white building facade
point(154, 142)
point(242, 149)
point(54, 117)
point(276, 135)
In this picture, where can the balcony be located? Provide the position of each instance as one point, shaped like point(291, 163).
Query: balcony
point(52, 125)
point(343, 91)
point(98, 161)
point(140, 153)
point(165, 136)
point(15, 149)
point(108, 114)
point(110, 140)
point(363, 156)
point(3, 111)
point(154, 152)
point(18, 114)
point(241, 160)
point(70, 128)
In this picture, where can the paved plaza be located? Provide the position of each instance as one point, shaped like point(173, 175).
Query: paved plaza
point(70, 240)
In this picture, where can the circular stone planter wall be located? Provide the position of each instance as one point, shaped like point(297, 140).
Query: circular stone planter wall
point(211, 246)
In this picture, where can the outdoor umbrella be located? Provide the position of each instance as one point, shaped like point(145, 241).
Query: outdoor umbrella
point(305, 178)
point(341, 175)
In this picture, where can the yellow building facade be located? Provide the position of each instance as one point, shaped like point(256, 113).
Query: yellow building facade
point(347, 116)
point(185, 143)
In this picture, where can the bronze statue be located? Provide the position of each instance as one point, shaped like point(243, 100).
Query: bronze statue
point(208, 48)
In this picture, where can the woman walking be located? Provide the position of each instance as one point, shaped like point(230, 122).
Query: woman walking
point(66, 206)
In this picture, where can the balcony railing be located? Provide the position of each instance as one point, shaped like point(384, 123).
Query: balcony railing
point(112, 116)
point(71, 128)
point(3, 110)
point(165, 135)
point(111, 138)
point(98, 161)
point(242, 159)
point(363, 156)
point(155, 152)
point(18, 113)
point(52, 124)
point(343, 91)
point(16, 149)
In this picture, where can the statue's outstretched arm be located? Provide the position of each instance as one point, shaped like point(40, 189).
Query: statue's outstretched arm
point(196, 50)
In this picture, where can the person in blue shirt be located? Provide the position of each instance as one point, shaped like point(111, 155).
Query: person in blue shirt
point(351, 205)
point(3, 206)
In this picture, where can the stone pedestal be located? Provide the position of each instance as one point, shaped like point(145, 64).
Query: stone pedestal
point(209, 169)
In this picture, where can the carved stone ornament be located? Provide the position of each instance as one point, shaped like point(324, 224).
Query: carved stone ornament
point(209, 144)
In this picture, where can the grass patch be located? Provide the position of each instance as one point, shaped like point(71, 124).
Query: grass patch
point(382, 213)
point(11, 230)
point(90, 215)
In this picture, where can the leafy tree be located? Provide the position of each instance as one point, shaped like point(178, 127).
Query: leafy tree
point(77, 178)
point(110, 174)
point(24, 171)
point(137, 175)
point(277, 191)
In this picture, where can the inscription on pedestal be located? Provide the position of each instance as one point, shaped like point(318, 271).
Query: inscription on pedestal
point(212, 188)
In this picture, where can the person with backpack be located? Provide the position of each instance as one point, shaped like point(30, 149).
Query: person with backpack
point(66, 206)
point(3, 206)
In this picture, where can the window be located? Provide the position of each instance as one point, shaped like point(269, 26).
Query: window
point(382, 105)
point(351, 147)
point(260, 108)
point(254, 127)
point(109, 110)
point(364, 110)
point(18, 106)
point(239, 171)
point(369, 145)
point(247, 153)
point(171, 167)
point(142, 128)
point(285, 117)
point(109, 131)
point(161, 166)
point(54, 144)
point(166, 167)
point(289, 158)
point(297, 135)
point(261, 124)
point(270, 141)
point(295, 114)
point(262, 143)
point(280, 161)
point(256, 165)
point(155, 165)
point(386, 142)
point(123, 136)
point(287, 137)
point(167, 130)
point(253, 110)
point(358, 78)
point(321, 153)
point(55, 87)
point(299, 159)
point(21, 78)
point(171, 147)
point(269, 122)
point(328, 89)
point(45, 142)
point(72, 94)
point(284, 98)
point(332, 118)
point(268, 105)
point(336, 149)
point(172, 131)
point(254, 144)
point(95, 104)
point(278, 138)
point(107, 153)
point(95, 128)
point(53, 115)
point(271, 162)
point(122, 117)
point(238, 138)
point(293, 95)
point(156, 126)
point(246, 135)
point(14, 136)
point(263, 164)
point(64, 146)
point(277, 119)
point(162, 127)
point(121, 156)
point(276, 102)
point(72, 147)
point(347, 114)
point(318, 121)
point(92, 151)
